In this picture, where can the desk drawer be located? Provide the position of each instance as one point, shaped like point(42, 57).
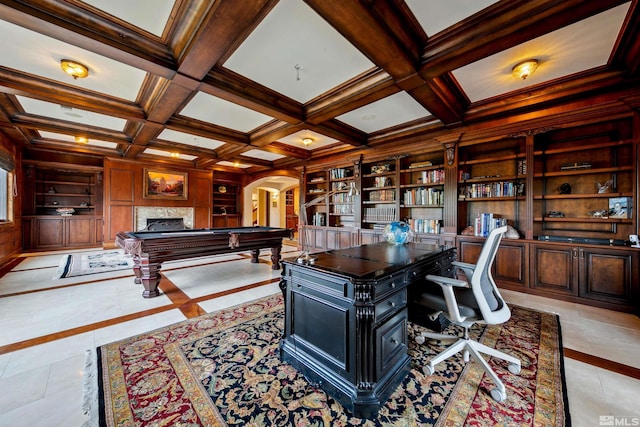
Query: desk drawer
point(389, 284)
point(391, 342)
point(390, 305)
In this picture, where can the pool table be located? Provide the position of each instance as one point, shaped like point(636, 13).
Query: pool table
point(150, 249)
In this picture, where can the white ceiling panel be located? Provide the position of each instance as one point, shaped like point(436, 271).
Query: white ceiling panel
point(47, 109)
point(293, 34)
point(263, 155)
point(162, 153)
point(188, 139)
point(138, 13)
point(40, 55)
point(71, 138)
point(233, 164)
point(319, 140)
point(223, 113)
point(559, 53)
point(436, 15)
point(390, 111)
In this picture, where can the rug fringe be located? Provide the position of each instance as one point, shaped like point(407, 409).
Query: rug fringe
point(90, 389)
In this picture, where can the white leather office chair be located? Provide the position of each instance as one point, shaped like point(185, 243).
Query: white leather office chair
point(476, 300)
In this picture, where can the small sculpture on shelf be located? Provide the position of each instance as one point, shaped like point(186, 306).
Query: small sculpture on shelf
point(603, 188)
point(223, 210)
point(602, 213)
point(565, 188)
point(65, 211)
point(52, 190)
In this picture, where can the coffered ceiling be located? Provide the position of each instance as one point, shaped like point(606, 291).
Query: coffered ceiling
point(236, 85)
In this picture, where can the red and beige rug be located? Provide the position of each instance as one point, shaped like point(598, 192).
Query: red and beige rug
point(223, 369)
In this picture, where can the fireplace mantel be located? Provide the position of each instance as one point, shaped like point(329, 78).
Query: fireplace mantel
point(142, 213)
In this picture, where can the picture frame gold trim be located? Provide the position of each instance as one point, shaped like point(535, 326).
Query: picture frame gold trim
point(165, 184)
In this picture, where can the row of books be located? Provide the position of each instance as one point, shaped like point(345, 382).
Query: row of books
point(485, 223)
point(343, 209)
point(379, 214)
point(492, 189)
point(435, 176)
point(382, 196)
point(424, 225)
point(423, 196)
point(339, 173)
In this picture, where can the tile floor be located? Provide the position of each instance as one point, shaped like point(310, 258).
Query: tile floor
point(47, 325)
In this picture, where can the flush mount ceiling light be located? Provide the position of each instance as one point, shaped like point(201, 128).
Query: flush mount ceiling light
point(524, 69)
point(74, 69)
point(307, 141)
point(82, 139)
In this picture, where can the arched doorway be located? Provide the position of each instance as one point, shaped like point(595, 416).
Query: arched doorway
point(265, 201)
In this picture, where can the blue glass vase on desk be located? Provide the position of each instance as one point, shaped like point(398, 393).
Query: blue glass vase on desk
point(398, 233)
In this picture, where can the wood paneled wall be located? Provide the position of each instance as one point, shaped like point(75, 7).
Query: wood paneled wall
point(123, 191)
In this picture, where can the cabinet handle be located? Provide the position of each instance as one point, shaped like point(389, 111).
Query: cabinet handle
point(392, 285)
point(393, 341)
point(392, 304)
point(581, 254)
point(575, 252)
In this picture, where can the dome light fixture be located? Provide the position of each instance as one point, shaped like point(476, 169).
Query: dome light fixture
point(74, 69)
point(307, 141)
point(524, 69)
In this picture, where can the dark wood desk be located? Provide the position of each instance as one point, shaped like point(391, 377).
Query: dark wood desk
point(346, 318)
point(151, 248)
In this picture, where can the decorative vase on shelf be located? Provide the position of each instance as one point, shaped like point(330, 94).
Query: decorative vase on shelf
point(398, 233)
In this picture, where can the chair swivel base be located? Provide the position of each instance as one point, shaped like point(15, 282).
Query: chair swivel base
point(473, 348)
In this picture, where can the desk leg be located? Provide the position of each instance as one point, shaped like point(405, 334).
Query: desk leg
point(275, 257)
point(255, 253)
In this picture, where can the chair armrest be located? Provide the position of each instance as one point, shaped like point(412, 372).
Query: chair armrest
point(447, 284)
point(466, 268)
point(447, 281)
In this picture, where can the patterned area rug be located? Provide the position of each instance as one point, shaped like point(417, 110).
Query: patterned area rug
point(81, 264)
point(223, 369)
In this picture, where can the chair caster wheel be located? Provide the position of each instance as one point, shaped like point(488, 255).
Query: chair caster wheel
point(513, 368)
point(498, 395)
point(420, 339)
point(428, 370)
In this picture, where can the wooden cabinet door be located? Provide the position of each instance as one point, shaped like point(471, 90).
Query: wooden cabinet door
point(510, 268)
point(609, 275)
point(80, 231)
point(552, 268)
point(48, 233)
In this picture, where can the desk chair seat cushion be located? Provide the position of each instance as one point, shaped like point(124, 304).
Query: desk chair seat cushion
point(435, 302)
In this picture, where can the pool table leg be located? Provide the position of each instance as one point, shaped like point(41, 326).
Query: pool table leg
point(149, 275)
point(275, 257)
point(255, 253)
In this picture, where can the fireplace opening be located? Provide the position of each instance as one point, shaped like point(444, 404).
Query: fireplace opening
point(164, 224)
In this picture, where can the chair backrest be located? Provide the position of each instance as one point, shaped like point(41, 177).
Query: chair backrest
point(490, 303)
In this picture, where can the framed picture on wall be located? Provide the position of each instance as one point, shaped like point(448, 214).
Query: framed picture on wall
point(168, 185)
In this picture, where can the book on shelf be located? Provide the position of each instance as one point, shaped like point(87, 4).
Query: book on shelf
point(420, 164)
point(575, 166)
point(485, 223)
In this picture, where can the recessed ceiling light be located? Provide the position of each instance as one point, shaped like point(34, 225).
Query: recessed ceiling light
point(307, 141)
point(82, 139)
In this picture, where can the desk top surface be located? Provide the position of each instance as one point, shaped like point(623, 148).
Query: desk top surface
point(372, 261)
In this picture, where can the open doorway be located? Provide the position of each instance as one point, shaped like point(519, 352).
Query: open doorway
point(271, 201)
